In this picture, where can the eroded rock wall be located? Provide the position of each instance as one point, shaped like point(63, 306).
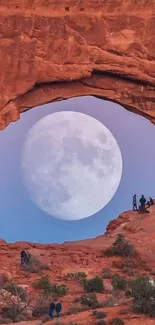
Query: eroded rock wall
point(54, 50)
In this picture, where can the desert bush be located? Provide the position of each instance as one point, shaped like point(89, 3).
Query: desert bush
point(3, 280)
point(73, 310)
point(34, 266)
point(129, 272)
point(77, 299)
point(117, 321)
point(94, 285)
point(13, 308)
point(143, 294)
point(75, 276)
point(118, 282)
point(42, 305)
point(107, 274)
point(59, 290)
point(15, 290)
point(131, 263)
point(49, 288)
point(109, 302)
point(77, 309)
point(42, 283)
point(127, 262)
point(99, 314)
point(101, 322)
point(121, 247)
point(90, 300)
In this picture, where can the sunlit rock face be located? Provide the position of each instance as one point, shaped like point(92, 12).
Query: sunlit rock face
point(53, 51)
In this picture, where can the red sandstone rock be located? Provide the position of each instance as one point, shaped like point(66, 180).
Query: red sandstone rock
point(87, 256)
point(53, 50)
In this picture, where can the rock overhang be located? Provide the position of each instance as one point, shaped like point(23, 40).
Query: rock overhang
point(52, 51)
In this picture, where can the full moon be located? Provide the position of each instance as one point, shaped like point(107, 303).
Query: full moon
point(71, 165)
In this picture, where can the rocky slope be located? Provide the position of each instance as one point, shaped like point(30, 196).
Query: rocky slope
point(54, 50)
point(88, 256)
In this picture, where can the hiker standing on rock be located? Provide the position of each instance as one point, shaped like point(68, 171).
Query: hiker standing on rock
point(142, 203)
point(134, 203)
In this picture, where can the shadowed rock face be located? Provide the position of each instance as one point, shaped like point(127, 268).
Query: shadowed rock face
point(54, 50)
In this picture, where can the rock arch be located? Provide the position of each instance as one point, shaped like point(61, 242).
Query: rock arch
point(47, 53)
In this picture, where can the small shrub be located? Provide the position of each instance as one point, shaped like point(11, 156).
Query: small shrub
point(117, 321)
point(128, 293)
point(83, 308)
point(73, 310)
point(50, 288)
point(130, 264)
point(42, 283)
point(99, 314)
point(77, 309)
point(121, 247)
point(90, 301)
point(75, 276)
point(108, 303)
point(77, 299)
point(3, 280)
point(107, 274)
point(15, 290)
point(118, 282)
point(34, 266)
point(41, 306)
point(144, 296)
point(129, 272)
point(94, 285)
point(101, 322)
point(69, 276)
point(59, 290)
point(80, 275)
point(13, 308)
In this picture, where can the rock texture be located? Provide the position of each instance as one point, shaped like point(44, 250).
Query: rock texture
point(54, 50)
point(87, 256)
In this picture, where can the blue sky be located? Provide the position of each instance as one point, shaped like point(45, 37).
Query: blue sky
point(21, 220)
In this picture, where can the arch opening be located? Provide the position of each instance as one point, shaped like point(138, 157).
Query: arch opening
point(132, 145)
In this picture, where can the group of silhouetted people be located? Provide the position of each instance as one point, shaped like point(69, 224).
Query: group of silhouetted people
point(55, 307)
point(143, 203)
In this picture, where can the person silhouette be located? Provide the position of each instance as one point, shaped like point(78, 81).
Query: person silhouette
point(51, 309)
point(58, 308)
point(134, 202)
point(142, 203)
